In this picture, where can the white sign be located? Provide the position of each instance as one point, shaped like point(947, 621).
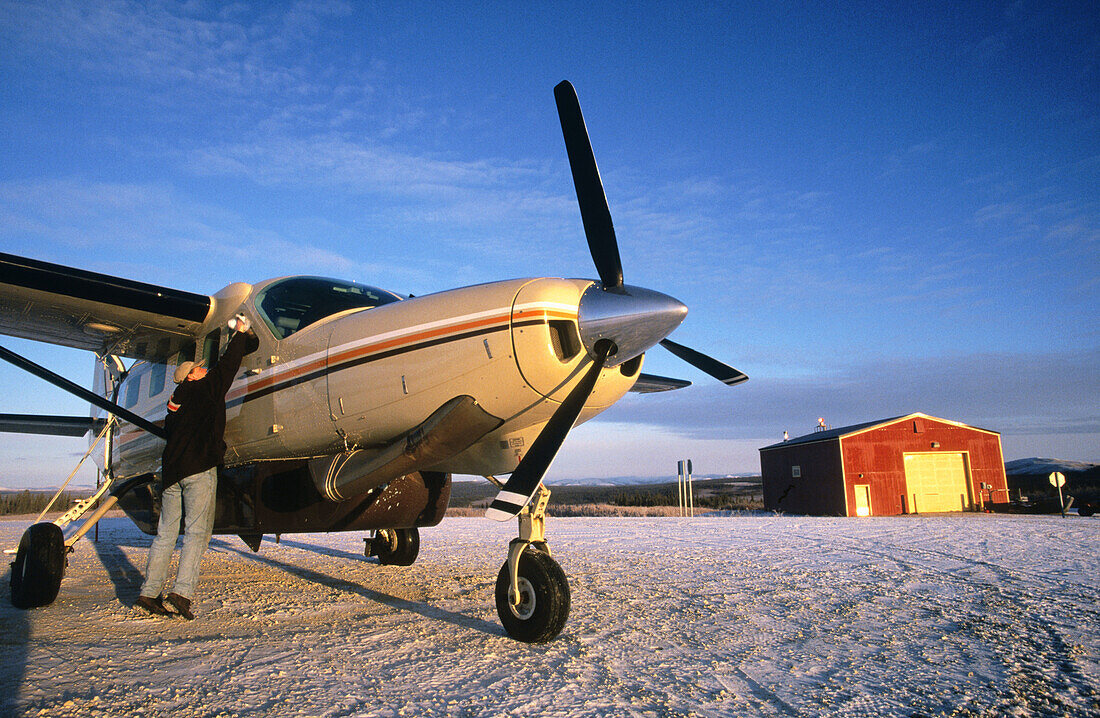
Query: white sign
point(1058, 479)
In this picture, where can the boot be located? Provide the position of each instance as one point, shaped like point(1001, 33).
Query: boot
point(183, 605)
point(154, 606)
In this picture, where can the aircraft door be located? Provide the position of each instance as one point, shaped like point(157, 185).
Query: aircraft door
point(249, 413)
point(105, 382)
point(358, 391)
point(299, 387)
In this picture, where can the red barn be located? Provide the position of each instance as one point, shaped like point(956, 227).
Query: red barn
point(908, 464)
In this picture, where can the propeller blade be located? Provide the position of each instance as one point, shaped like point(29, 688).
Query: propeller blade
point(722, 372)
point(525, 480)
point(595, 213)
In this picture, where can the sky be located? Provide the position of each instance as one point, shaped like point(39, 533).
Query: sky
point(872, 210)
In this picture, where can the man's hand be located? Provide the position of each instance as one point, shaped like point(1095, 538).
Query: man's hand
point(240, 323)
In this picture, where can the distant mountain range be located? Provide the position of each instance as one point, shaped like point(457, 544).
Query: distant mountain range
point(643, 480)
point(1019, 467)
point(627, 480)
point(1033, 466)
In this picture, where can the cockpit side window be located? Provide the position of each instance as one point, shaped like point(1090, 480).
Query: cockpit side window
point(293, 304)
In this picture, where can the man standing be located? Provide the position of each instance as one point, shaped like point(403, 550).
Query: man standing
point(195, 425)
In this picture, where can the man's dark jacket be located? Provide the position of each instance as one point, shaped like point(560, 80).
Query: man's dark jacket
point(196, 415)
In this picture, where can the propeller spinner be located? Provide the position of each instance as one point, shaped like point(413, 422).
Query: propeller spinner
point(617, 321)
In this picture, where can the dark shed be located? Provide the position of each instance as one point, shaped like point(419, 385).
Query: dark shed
point(907, 464)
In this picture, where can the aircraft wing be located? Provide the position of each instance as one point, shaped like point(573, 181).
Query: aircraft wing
point(85, 310)
point(51, 425)
point(650, 383)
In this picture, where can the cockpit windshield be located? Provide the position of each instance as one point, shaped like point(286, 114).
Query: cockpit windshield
point(293, 304)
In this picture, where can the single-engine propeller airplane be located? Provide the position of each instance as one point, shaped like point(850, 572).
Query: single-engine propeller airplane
point(360, 403)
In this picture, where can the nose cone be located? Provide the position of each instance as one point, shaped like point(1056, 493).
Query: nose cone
point(631, 318)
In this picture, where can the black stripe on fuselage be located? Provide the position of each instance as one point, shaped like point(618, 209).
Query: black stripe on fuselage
point(94, 287)
point(375, 357)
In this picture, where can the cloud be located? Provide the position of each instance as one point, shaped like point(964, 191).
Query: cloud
point(1042, 394)
point(150, 232)
point(358, 167)
point(258, 65)
point(164, 43)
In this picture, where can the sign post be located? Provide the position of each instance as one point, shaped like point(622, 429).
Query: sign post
point(684, 489)
point(1059, 479)
point(680, 485)
point(690, 491)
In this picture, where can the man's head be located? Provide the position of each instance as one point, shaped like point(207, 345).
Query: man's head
point(189, 371)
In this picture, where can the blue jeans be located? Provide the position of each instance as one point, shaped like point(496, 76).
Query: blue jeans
point(196, 496)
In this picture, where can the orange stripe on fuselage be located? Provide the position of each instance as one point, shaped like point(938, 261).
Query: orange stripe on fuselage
point(333, 361)
point(345, 356)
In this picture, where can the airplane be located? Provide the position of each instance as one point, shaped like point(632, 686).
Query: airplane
point(360, 403)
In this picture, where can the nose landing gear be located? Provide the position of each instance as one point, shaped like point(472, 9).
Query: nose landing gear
point(532, 593)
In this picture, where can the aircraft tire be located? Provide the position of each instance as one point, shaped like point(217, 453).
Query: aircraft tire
point(38, 567)
point(545, 606)
point(397, 547)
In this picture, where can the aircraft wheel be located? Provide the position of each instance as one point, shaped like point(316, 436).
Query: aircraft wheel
point(38, 567)
point(396, 547)
point(544, 599)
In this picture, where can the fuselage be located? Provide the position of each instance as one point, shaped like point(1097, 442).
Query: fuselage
point(361, 377)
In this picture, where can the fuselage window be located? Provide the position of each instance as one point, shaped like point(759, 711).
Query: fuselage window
point(159, 372)
point(210, 347)
point(293, 304)
point(133, 387)
point(157, 378)
point(187, 353)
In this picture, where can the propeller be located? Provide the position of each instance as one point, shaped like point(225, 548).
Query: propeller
point(595, 213)
point(525, 480)
point(617, 322)
point(709, 365)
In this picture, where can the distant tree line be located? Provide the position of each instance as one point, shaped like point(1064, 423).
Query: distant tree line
point(32, 502)
point(710, 494)
point(671, 497)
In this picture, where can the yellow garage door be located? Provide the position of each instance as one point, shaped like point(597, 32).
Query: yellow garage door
point(936, 482)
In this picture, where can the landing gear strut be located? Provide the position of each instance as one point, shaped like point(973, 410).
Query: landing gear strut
point(532, 593)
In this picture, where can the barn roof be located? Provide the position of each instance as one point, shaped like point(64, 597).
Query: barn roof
point(843, 431)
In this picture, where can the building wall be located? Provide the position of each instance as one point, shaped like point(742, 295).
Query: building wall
point(878, 454)
point(820, 488)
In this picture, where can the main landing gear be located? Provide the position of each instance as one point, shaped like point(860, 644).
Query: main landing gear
point(39, 566)
point(532, 593)
point(44, 551)
point(394, 547)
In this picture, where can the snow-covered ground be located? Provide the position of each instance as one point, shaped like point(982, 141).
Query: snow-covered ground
point(736, 616)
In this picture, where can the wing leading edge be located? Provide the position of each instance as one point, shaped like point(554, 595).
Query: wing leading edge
point(97, 312)
point(652, 383)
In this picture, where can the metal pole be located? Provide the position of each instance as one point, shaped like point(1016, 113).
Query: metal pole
point(1057, 478)
point(691, 494)
point(97, 477)
point(88, 396)
point(680, 485)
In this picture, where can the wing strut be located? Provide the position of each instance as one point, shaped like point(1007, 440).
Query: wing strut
point(89, 396)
